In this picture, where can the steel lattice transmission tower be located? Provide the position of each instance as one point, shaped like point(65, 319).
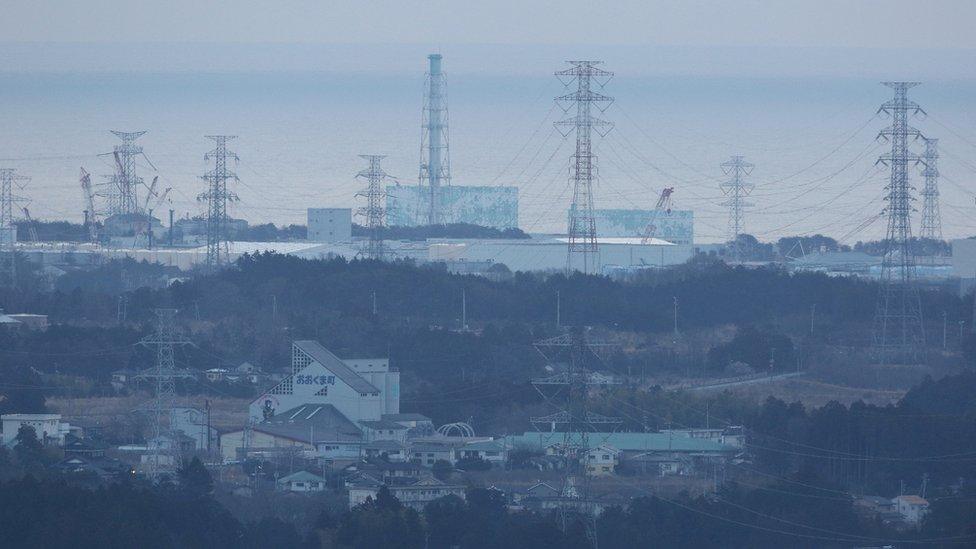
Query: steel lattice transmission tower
point(737, 190)
point(374, 212)
point(122, 195)
point(568, 391)
point(898, 329)
point(583, 170)
point(931, 217)
point(216, 197)
point(8, 230)
point(435, 157)
point(162, 455)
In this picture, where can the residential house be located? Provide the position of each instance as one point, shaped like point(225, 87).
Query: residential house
point(389, 450)
point(911, 508)
point(383, 429)
point(415, 495)
point(418, 425)
point(429, 452)
point(302, 481)
point(121, 378)
point(492, 451)
point(215, 375)
point(601, 460)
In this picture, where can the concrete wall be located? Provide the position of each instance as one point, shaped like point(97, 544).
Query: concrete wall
point(964, 257)
point(329, 224)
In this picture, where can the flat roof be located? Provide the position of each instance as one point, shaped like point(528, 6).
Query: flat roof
point(645, 442)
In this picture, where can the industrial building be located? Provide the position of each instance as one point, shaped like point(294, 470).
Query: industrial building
point(359, 389)
point(406, 205)
point(675, 226)
point(330, 224)
point(548, 252)
point(48, 428)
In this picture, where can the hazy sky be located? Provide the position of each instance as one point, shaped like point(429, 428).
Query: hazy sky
point(877, 39)
point(822, 23)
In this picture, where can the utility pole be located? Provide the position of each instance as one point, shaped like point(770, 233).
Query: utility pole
point(435, 158)
point(582, 224)
point(374, 211)
point(736, 189)
point(557, 309)
point(945, 326)
point(171, 227)
point(813, 314)
point(216, 197)
point(163, 455)
point(898, 328)
point(675, 298)
point(8, 229)
point(931, 216)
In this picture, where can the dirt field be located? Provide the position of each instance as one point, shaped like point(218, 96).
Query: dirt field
point(225, 413)
point(815, 393)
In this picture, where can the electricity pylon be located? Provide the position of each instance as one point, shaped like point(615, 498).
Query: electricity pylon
point(163, 455)
point(737, 190)
point(374, 211)
point(898, 329)
point(216, 197)
point(931, 216)
point(8, 230)
point(583, 172)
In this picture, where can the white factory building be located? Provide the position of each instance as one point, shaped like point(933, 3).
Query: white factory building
point(361, 389)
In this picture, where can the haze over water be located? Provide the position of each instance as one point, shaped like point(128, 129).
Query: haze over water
point(812, 138)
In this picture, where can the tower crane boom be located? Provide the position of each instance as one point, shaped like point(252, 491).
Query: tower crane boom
point(663, 205)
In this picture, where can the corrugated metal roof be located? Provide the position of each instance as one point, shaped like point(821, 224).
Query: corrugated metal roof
point(335, 364)
point(321, 422)
point(658, 442)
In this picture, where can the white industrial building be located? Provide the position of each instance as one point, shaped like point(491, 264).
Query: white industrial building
point(329, 224)
point(360, 389)
point(49, 428)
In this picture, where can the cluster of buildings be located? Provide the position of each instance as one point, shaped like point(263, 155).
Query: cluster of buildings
point(902, 510)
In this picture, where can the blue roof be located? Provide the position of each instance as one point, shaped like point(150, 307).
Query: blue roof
point(644, 442)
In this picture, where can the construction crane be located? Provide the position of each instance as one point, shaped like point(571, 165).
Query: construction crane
point(162, 198)
point(663, 205)
point(31, 229)
point(86, 187)
point(151, 193)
